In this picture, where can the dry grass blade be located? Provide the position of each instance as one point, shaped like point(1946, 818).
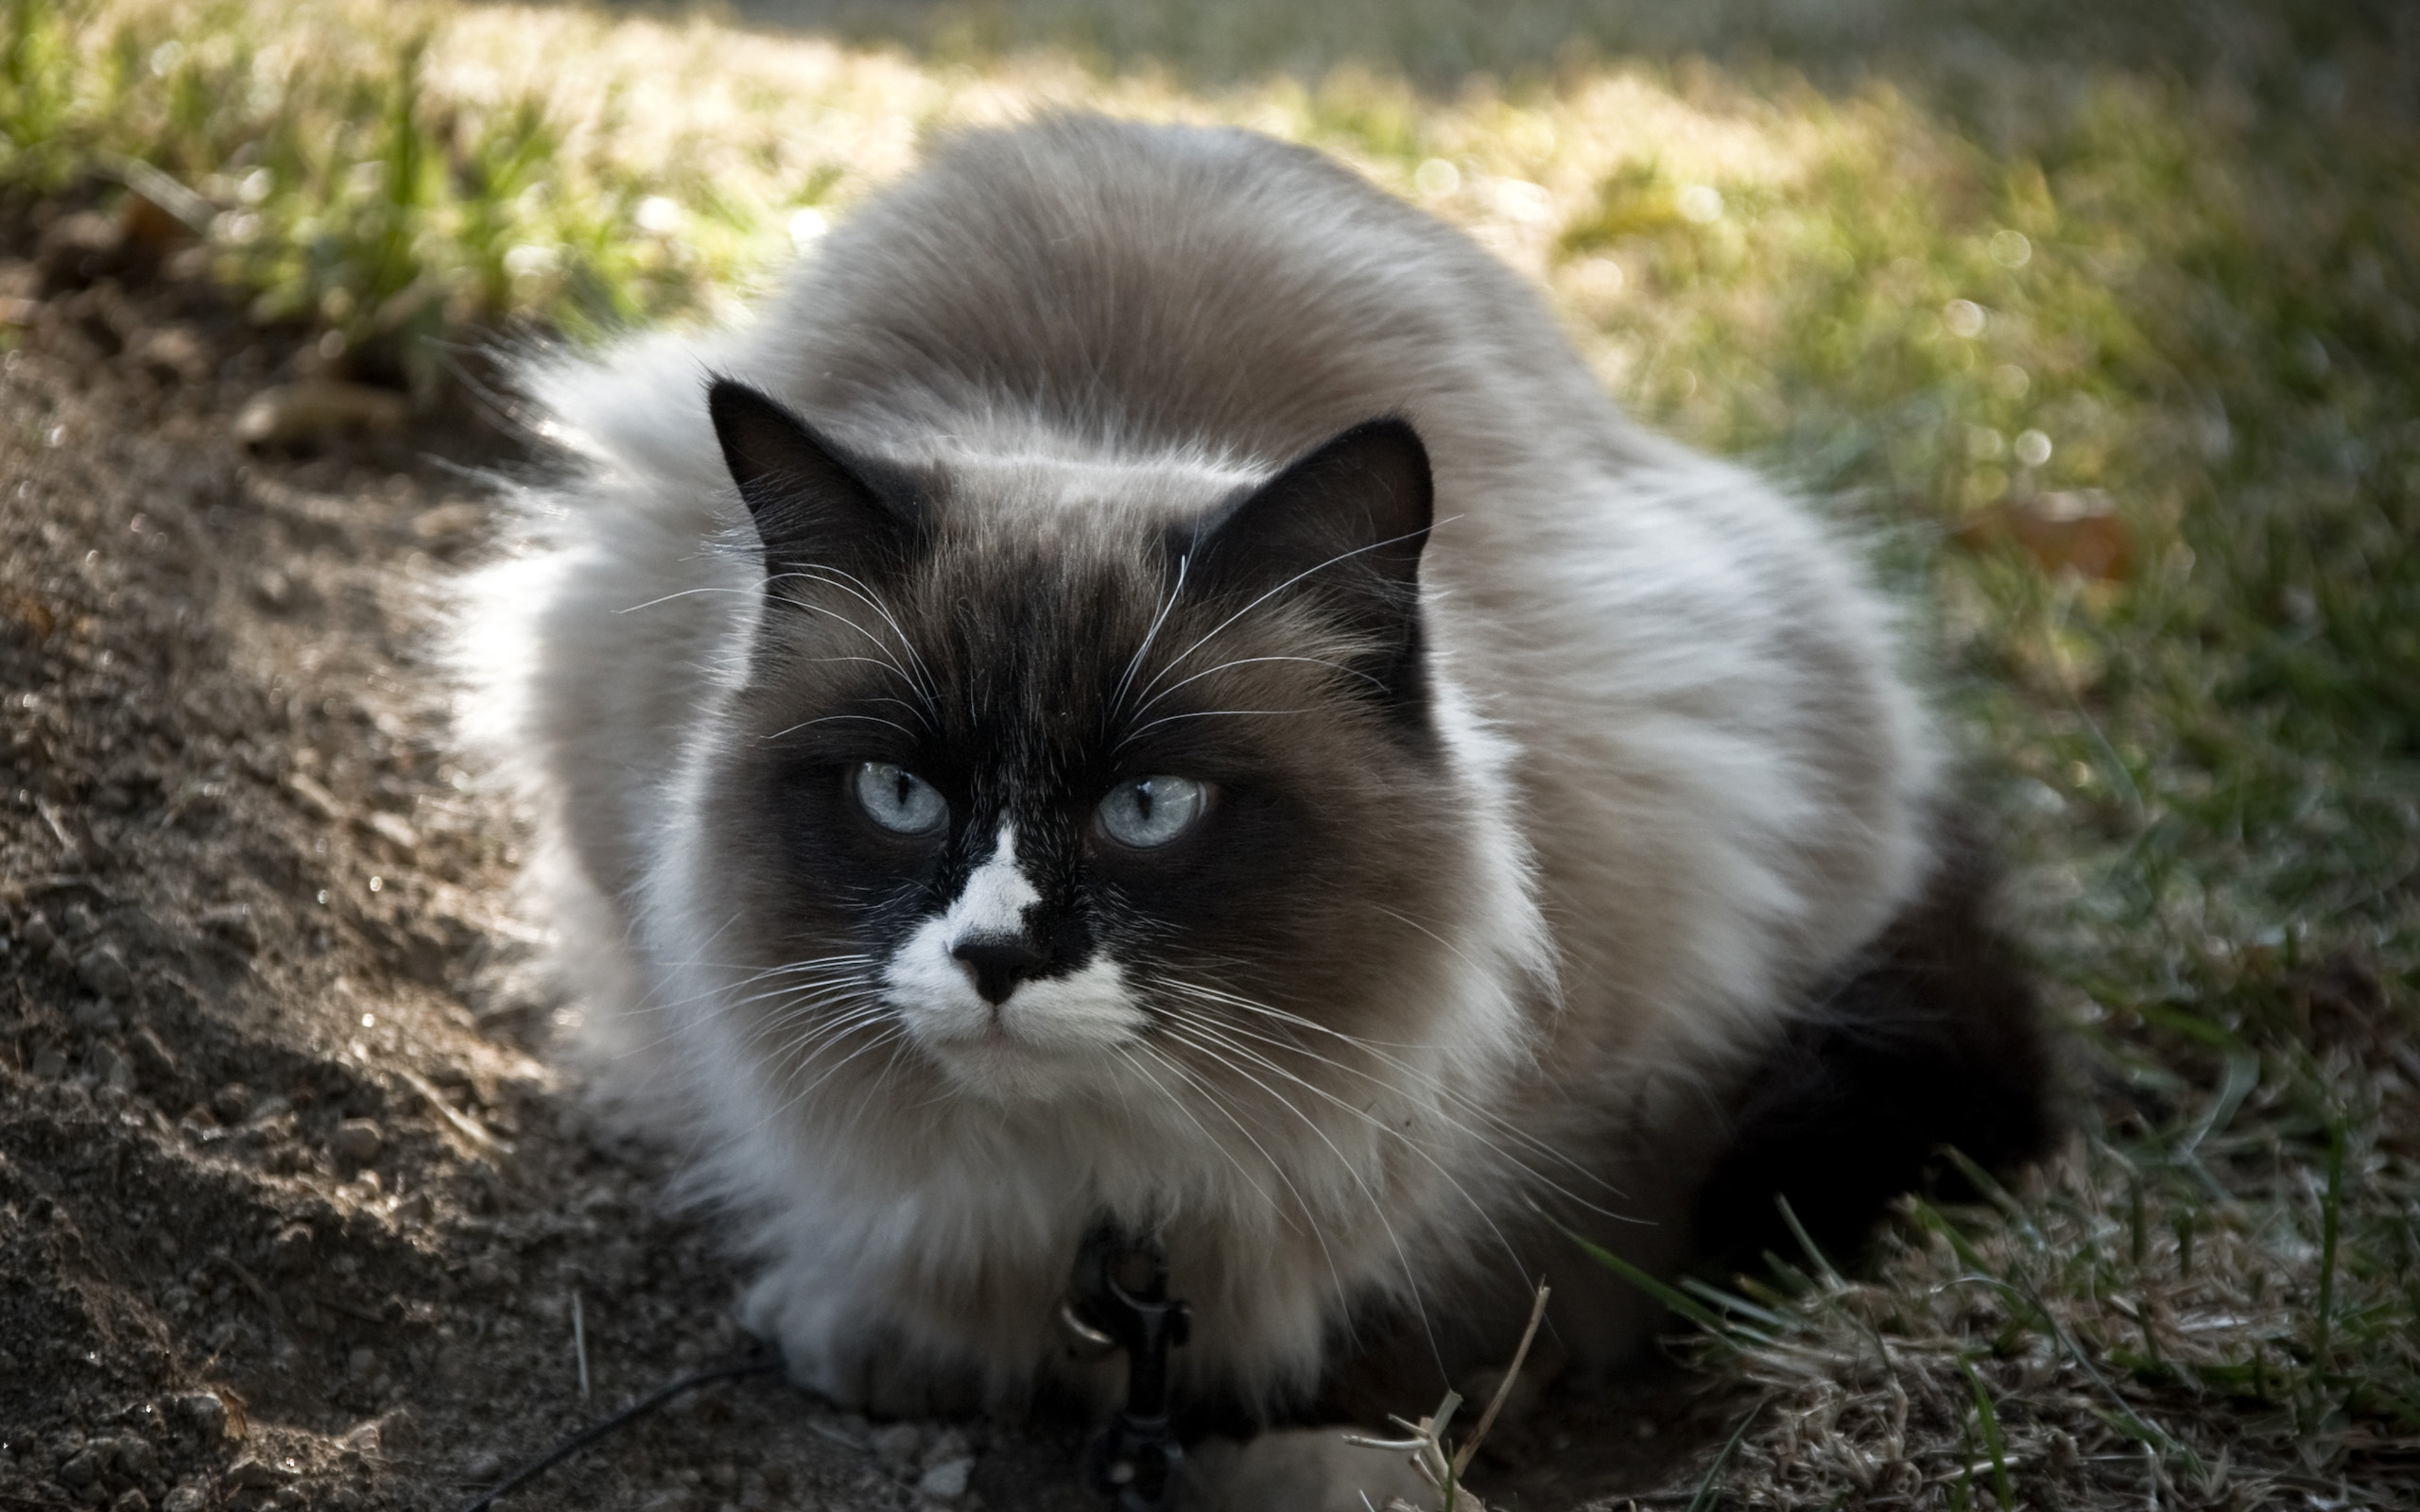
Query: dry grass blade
point(1504, 1388)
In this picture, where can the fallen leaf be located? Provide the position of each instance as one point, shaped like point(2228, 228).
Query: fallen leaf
point(2078, 531)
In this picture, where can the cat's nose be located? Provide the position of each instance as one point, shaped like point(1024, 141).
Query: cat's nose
point(997, 963)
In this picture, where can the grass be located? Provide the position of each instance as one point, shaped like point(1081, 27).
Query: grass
point(2011, 296)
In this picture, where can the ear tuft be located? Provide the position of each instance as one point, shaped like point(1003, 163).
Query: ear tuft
point(813, 506)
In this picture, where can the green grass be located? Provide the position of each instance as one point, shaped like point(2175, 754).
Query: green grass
point(1986, 274)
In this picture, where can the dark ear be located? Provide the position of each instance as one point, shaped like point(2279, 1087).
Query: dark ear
point(1344, 525)
point(812, 508)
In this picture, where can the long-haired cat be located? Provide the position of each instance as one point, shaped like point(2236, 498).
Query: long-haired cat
point(1152, 683)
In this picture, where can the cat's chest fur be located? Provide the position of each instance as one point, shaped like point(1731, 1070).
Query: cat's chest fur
point(1154, 685)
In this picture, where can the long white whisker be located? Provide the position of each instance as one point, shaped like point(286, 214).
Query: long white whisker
point(1428, 1082)
point(885, 658)
point(1210, 1094)
point(1377, 1209)
point(1128, 1052)
point(1139, 731)
point(1253, 660)
point(851, 584)
point(827, 719)
point(1342, 556)
point(1211, 1033)
point(1126, 680)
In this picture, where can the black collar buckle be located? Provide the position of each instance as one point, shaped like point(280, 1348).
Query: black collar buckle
point(1120, 1301)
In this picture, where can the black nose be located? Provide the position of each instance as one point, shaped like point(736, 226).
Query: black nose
point(997, 963)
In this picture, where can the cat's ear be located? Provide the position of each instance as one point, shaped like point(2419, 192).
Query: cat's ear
point(1347, 525)
point(813, 506)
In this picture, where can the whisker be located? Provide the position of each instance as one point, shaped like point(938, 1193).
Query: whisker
point(827, 719)
point(1139, 731)
point(1427, 1081)
point(1198, 1027)
point(1210, 1095)
point(1117, 699)
point(851, 584)
point(1377, 1209)
point(1207, 636)
point(1253, 660)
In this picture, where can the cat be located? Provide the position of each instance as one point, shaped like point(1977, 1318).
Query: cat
point(1152, 685)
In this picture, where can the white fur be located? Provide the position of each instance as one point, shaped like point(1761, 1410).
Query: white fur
point(1049, 1032)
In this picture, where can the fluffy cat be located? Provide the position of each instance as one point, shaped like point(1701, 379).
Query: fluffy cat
point(1152, 683)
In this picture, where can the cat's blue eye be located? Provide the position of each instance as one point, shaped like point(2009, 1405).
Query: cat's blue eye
point(898, 800)
point(1145, 811)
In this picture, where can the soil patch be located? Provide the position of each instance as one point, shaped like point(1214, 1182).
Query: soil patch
point(294, 1209)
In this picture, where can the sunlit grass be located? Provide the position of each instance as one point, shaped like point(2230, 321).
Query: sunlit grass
point(2187, 303)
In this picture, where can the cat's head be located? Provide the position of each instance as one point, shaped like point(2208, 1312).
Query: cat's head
point(1042, 789)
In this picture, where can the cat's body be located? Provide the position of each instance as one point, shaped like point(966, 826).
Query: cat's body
point(1525, 826)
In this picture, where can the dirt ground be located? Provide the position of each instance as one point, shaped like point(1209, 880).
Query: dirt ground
point(294, 1209)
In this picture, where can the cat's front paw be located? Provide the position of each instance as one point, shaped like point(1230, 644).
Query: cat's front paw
point(836, 1345)
point(1298, 1469)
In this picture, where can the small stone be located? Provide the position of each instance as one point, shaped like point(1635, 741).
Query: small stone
point(250, 1475)
point(304, 411)
point(177, 352)
point(50, 1064)
point(944, 1444)
point(361, 1365)
point(483, 1467)
point(205, 1413)
point(132, 1501)
point(113, 1069)
point(232, 1102)
point(103, 970)
point(186, 1498)
point(150, 1057)
point(899, 1446)
point(393, 829)
point(290, 1251)
point(358, 1140)
point(96, 1016)
point(80, 1470)
point(490, 1270)
point(321, 803)
point(946, 1481)
point(39, 935)
point(136, 1457)
point(233, 922)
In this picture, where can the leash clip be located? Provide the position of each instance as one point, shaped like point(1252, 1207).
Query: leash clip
point(1134, 1461)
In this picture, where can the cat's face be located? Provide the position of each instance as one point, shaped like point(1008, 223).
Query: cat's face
point(1043, 803)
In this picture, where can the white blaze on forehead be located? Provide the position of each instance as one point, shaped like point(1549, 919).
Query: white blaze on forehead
point(995, 897)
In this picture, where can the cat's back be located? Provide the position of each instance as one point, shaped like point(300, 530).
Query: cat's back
point(1138, 289)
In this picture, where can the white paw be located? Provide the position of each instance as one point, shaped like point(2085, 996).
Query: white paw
point(841, 1347)
point(1298, 1469)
